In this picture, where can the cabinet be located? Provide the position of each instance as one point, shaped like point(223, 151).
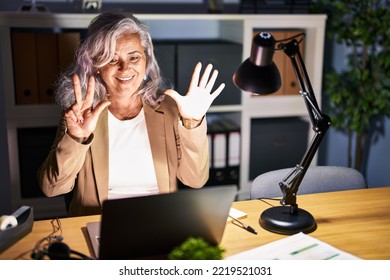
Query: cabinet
point(243, 108)
point(38, 56)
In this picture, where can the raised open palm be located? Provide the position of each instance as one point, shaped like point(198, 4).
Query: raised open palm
point(197, 101)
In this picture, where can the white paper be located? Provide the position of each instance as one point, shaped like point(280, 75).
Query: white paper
point(234, 148)
point(237, 214)
point(299, 246)
point(219, 150)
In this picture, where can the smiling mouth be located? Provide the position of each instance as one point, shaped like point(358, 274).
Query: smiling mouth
point(124, 79)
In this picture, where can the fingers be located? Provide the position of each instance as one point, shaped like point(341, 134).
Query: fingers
point(212, 80)
point(76, 108)
point(195, 77)
point(101, 106)
point(90, 93)
point(69, 114)
point(205, 81)
point(77, 89)
point(205, 77)
point(82, 105)
point(218, 91)
point(87, 103)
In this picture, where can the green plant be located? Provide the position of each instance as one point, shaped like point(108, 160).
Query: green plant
point(195, 248)
point(360, 94)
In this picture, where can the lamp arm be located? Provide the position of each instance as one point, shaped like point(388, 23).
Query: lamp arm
point(320, 124)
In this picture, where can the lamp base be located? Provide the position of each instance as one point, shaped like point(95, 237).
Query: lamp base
point(279, 219)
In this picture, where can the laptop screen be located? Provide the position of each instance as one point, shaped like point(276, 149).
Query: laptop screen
point(151, 226)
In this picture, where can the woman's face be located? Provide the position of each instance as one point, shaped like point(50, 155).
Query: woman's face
point(125, 73)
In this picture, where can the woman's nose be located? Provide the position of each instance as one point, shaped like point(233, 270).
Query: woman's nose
point(124, 65)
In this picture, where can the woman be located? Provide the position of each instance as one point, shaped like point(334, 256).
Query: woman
point(121, 135)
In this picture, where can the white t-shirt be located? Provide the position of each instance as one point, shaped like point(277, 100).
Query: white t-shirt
point(131, 169)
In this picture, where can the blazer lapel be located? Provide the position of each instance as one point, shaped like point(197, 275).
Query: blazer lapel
point(99, 153)
point(155, 123)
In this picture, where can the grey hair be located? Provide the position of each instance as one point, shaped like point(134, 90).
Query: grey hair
point(98, 49)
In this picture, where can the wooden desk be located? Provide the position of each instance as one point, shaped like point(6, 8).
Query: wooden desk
point(357, 222)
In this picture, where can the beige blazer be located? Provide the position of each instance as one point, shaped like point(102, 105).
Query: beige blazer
point(178, 153)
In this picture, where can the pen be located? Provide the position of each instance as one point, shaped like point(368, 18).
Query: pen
point(248, 228)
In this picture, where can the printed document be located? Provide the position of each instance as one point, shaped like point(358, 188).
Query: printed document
point(299, 246)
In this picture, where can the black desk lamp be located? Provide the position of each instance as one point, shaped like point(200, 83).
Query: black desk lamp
point(259, 75)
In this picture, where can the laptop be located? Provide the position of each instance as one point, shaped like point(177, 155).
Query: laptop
point(149, 227)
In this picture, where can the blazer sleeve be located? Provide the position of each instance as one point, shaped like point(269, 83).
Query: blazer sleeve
point(193, 169)
point(58, 173)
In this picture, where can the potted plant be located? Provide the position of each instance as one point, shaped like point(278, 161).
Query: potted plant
point(358, 97)
point(196, 248)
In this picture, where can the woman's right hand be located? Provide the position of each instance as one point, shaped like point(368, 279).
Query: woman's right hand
point(81, 118)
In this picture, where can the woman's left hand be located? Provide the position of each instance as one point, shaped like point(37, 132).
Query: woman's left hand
point(194, 105)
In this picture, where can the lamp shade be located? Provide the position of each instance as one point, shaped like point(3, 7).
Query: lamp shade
point(258, 74)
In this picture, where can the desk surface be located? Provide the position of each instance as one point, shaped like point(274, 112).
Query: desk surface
point(357, 222)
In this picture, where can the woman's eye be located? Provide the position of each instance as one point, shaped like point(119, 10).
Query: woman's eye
point(135, 58)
